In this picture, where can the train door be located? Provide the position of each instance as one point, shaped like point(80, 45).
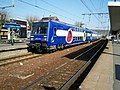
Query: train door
point(84, 36)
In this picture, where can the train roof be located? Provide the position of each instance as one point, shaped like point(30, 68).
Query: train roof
point(59, 22)
point(11, 25)
point(94, 32)
point(50, 18)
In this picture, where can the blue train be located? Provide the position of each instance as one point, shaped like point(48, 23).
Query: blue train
point(51, 35)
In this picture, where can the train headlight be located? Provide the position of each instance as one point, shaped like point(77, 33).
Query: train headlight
point(44, 39)
point(31, 39)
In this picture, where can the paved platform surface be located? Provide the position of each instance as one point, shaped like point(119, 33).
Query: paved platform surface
point(22, 43)
point(8, 54)
point(9, 46)
point(101, 75)
point(116, 63)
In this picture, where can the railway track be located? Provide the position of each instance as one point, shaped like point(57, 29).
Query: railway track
point(18, 58)
point(62, 77)
point(13, 49)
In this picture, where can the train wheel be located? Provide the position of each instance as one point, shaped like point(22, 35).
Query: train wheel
point(29, 49)
point(39, 50)
point(62, 46)
point(50, 51)
point(57, 47)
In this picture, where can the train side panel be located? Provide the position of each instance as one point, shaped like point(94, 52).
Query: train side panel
point(53, 38)
point(58, 34)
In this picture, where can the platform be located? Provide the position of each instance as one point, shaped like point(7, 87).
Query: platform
point(8, 51)
point(22, 43)
point(15, 46)
point(101, 76)
point(116, 62)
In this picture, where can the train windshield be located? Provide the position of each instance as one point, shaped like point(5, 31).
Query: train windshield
point(40, 28)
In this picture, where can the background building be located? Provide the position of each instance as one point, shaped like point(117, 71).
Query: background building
point(23, 29)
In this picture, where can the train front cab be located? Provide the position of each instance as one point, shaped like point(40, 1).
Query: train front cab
point(38, 38)
point(43, 37)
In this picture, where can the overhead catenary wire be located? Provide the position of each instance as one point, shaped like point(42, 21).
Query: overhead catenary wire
point(93, 5)
point(6, 7)
point(100, 15)
point(45, 9)
point(9, 6)
point(101, 4)
point(60, 8)
point(90, 11)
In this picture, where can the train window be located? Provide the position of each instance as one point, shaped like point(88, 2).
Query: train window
point(81, 38)
point(77, 30)
point(76, 38)
point(55, 29)
point(40, 28)
point(73, 38)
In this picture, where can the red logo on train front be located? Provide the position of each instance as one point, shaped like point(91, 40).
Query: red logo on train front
point(69, 37)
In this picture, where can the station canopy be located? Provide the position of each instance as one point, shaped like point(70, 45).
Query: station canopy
point(114, 14)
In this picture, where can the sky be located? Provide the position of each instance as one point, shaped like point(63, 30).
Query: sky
point(69, 11)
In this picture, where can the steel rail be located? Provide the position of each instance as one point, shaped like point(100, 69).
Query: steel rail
point(43, 77)
point(17, 59)
point(13, 49)
point(68, 83)
point(13, 61)
point(13, 57)
point(86, 51)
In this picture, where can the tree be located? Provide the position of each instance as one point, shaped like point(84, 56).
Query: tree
point(79, 24)
point(3, 18)
point(31, 19)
